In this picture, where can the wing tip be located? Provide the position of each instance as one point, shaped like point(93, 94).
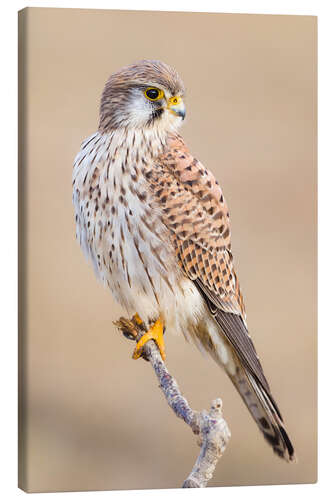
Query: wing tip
point(290, 455)
point(281, 443)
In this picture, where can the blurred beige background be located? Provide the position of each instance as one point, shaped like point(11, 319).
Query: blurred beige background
point(94, 418)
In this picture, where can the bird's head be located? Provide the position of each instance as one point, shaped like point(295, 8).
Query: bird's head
point(144, 95)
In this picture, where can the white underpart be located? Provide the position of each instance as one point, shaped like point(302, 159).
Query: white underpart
point(180, 304)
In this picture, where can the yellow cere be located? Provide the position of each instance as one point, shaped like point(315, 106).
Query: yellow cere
point(154, 94)
point(173, 101)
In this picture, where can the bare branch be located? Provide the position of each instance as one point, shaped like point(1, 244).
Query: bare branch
point(210, 427)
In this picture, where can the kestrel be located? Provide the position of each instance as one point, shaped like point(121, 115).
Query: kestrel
point(155, 225)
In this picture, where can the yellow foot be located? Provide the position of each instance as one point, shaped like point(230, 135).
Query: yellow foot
point(154, 333)
point(137, 319)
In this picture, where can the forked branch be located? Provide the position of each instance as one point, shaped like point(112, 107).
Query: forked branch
point(210, 427)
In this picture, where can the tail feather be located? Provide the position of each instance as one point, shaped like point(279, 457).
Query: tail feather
point(246, 373)
point(265, 413)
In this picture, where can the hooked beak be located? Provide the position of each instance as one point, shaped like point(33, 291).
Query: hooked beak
point(176, 106)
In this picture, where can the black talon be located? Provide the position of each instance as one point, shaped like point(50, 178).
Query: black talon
point(128, 335)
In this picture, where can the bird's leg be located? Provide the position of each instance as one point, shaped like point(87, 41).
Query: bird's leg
point(137, 319)
point(155, 333)
point(131, 328)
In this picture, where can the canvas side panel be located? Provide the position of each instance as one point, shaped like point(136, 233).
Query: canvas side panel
point(22, 228)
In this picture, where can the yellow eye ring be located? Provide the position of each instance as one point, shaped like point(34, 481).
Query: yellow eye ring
point(154, 94)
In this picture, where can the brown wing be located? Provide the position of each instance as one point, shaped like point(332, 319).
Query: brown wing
point(195, 212)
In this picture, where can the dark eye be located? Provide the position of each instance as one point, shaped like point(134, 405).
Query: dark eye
point(153, 94)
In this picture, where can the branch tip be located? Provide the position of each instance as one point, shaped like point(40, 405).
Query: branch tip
point(210, 427)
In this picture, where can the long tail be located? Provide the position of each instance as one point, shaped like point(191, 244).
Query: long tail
point(247, 373)
point(264, 411)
